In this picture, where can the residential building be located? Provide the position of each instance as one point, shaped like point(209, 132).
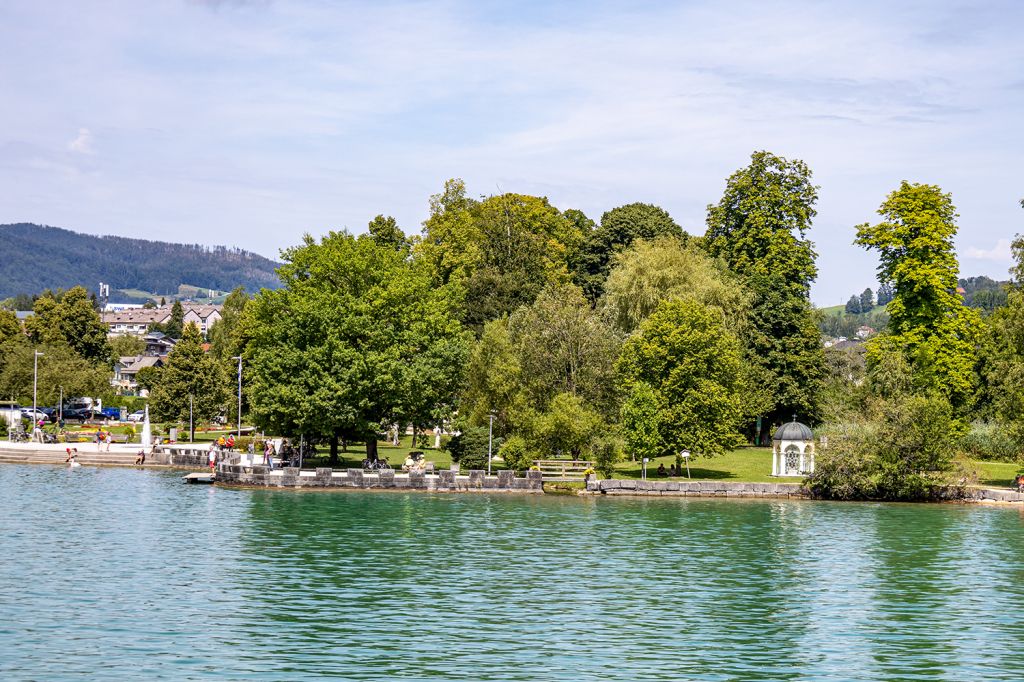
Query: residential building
point(137, 320)
point(127, 368)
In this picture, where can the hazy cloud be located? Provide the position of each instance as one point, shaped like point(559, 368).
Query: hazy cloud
point(1000, 253)
point(83, 143)
point(308, 116)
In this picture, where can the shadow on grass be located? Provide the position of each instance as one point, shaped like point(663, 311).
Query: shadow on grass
point(695, 473)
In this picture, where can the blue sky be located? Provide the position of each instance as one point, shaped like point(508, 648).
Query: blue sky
point(250, 123)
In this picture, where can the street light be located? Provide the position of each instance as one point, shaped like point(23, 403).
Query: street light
point(685, 454)
point(191, 427)
point(490, 439)
point(35, 384)
point(239, 358)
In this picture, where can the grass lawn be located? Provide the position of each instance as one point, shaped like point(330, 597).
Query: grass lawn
point(744, 465)
point(754, 465)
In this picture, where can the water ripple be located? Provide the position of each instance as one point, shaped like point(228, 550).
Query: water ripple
point(118, 574)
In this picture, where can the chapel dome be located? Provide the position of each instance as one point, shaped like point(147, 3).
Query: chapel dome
point(794, 430)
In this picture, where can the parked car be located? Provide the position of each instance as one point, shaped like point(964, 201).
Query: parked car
point(78, 414)
point(27, 413)
point(137, 416)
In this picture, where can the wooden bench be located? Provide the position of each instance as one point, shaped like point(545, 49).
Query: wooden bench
point(563, 470)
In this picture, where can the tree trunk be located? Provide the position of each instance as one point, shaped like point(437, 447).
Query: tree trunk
point(371, 448)
point(414, 432)
point(334, 451)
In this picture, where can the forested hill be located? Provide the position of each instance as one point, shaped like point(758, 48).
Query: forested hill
point(38, 257)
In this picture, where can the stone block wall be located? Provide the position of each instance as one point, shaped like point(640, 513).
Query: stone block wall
point(443, 481)
point(694, 488)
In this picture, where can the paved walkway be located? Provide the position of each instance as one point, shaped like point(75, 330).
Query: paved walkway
point(49, 453)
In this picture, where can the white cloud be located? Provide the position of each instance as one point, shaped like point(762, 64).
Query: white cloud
point(83, 143)
point(1000, 253)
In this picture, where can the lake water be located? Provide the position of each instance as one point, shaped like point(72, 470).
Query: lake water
point(120, 574)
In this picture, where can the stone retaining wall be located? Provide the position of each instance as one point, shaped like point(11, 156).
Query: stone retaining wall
point(695, 488)
point(323, 477)
point(777, 490)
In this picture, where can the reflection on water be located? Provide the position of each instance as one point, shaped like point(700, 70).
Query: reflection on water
point(119, 574)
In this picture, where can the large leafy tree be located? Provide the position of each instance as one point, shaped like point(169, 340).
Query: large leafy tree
point(191, 380)
point(620, 228)
point(69, 319)
point(225, 340)
point(502, 250)
point(759, 228)
point(669, 268)
point(691, 364)
point(61, 368)
point(928, 321)
point(9, 325)
point(359, 336)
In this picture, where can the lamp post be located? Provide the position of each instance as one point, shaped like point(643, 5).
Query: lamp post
point(191, 427)
point(60, 406)
point(35, 384)
point(685, 454)
point(490, 439)
point(239, 358)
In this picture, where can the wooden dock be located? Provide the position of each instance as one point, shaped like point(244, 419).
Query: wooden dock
point(198, 477)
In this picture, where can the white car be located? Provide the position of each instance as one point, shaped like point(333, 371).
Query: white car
point(137, 416)
point(39, 414)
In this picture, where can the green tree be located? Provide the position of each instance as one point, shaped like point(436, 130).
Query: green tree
point(10, 327)
point(692, 363)
point(127, 345)
point(927, 319)
point(355, 329)
point(69, 319)
point(759, 228)
point(667, 269)
point(225, 339)
point(568, 427)
point(493, 379)
point(853, 305)
point(190, 375)
point(60, 366)
point(620, 228)
point(174, 327)
point(640, 422)
point(564, 346)
point(385, 231)
point(867, 300)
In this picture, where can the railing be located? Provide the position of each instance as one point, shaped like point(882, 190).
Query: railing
point(560, 470)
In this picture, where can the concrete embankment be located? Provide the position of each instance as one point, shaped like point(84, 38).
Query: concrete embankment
point(88, 455)
point(694, 488)
point(326, 478)
point(649, 488)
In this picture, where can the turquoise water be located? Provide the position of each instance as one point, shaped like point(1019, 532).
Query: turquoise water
point(116, 574)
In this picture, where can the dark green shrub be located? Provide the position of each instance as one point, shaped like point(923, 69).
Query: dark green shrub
point(517, 454)
point(469, 448)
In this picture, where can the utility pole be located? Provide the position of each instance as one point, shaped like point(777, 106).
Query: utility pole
point(35, 384)
point(490, 440)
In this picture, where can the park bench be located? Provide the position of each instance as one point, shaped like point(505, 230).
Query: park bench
point(563, 470)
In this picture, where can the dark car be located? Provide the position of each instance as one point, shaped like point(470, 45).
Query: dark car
point(78, 414)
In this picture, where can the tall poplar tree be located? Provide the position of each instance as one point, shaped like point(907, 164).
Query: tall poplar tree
point(759, 228)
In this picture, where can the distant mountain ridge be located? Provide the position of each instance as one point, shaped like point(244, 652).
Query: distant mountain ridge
point(38, 257)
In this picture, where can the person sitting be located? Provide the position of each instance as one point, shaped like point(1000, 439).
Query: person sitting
point(141, 458)
point(410, 463)
point(1019, 483)
point(661, 470)
point(673, 471)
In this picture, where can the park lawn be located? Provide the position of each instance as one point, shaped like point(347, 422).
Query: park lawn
point(396, 455)
point(754, 465)
point(743, 465)
point(996, 474)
